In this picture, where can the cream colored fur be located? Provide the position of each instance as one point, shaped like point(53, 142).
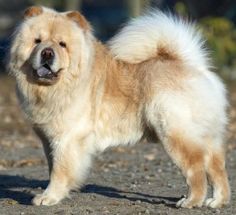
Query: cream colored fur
point(153, 74)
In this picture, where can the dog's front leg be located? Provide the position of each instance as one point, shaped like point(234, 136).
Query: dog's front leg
point(46, 146)
point(70, 162)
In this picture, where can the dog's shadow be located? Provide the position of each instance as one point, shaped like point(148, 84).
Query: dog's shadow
point(15, 188)
point(131, 196)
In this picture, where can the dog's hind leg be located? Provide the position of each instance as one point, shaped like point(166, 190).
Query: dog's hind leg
point(216, 171)
point(189, 157)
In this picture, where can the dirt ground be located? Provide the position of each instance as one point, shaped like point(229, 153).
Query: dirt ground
point(126, 180)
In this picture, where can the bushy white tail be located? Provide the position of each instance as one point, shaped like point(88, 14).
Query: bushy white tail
point(143, 37)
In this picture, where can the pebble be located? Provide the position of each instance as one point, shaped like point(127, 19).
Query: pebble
point(11, 202)
point(217, 211)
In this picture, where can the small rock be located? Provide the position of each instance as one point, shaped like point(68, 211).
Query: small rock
point(149, 157)
point(11, 202)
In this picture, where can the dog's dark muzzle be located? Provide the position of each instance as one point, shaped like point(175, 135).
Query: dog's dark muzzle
point(44, 75)
point(47, 57)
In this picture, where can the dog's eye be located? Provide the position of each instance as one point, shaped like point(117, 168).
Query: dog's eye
point(37, 41)
point(62, 44)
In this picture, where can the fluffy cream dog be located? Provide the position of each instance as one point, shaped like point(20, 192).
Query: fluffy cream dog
point(83, 97)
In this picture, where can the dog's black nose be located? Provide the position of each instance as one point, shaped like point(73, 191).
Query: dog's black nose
point(47, 55)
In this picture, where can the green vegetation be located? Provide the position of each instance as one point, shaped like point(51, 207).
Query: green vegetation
point(220, 34)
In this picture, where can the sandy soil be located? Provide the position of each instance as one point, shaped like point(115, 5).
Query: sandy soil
point(126, 180)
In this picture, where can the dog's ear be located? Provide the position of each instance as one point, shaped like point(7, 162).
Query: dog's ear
point(33, 11)
point(79, 19)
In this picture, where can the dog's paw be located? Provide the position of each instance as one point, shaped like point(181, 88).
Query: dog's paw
point(183, 203)
point(45, 199)
point(214, 203)
point(187, 203)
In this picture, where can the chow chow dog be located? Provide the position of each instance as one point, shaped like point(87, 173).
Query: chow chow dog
point(82, 97)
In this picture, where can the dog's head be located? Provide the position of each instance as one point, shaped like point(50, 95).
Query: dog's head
point(49, 46)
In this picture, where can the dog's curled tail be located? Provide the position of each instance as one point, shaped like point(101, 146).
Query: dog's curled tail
point(161, 36)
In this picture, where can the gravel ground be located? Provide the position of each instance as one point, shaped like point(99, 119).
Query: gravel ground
point(126, 180)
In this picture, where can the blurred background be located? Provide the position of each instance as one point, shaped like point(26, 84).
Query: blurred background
point(217, 19)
